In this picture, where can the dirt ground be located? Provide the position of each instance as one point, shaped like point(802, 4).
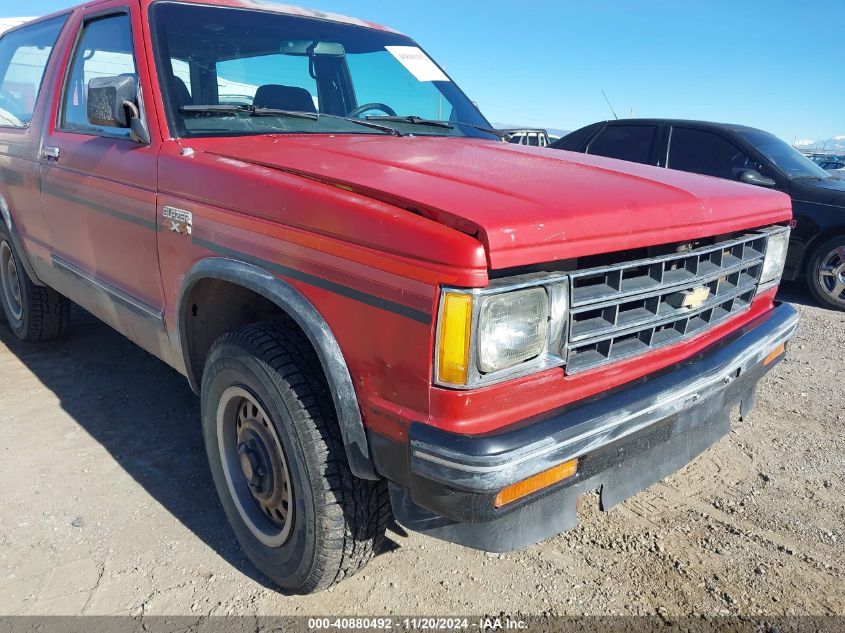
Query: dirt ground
point(108, 507)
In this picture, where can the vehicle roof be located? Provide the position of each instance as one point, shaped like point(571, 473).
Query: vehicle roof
point(261, 5)
point(733, 127)
point(524, 130)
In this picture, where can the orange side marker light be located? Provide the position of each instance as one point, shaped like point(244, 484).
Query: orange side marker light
point(775, 354)
point(537, 482)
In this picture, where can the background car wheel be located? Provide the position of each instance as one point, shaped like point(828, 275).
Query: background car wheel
point(34, 313)
point(279, 463)
point(826, 273)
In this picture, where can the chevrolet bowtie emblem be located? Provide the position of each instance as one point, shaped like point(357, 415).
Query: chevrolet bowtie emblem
point(695, 298)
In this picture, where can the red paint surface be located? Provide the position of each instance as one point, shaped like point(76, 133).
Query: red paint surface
point(393, 217)
point(500, 405)
point(528, 205)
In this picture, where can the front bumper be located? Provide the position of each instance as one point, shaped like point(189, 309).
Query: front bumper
point(443, 484)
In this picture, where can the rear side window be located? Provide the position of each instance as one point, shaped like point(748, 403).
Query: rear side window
point(706, 153)
point(575, 141)
point(24, 55)
point(625, 142)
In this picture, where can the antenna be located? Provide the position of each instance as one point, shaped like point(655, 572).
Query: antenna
point(609, 106)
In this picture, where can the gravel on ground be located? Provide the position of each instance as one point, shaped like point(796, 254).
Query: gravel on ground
point(108, 507)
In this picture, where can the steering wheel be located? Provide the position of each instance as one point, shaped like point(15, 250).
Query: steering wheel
point(357, 112)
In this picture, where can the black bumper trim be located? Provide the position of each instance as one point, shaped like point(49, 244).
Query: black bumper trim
point(625, 440)
point(484, 464)
point(623, 471)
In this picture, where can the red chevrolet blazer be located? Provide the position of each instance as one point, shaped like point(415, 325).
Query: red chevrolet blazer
point(385, 309)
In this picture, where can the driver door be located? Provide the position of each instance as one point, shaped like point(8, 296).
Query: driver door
point(99, 185)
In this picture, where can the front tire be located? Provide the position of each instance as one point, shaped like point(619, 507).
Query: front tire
point(826, 273)
point(35, 314)
point(279, 463)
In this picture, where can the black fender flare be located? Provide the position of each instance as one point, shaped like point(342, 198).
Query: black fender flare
point(302, 311)
point(9, 224)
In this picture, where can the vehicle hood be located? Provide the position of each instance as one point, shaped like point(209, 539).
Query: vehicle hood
point(527, 205)
point(827, 191)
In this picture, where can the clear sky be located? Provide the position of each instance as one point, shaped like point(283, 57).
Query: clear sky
point(773, 64)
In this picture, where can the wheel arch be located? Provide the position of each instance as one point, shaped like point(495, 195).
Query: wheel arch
point(7, 222)
point(296, 306)
point(818, 239)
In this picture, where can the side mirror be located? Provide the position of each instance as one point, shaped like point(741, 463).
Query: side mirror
point(106, 96)
point(754, 177)
point(111, 103)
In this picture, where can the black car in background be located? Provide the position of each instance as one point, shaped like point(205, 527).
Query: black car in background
point(749, 155)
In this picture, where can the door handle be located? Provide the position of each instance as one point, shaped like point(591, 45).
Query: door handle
point(51, 153)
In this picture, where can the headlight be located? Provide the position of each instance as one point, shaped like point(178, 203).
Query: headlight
point(777, 246)
point(493, 334)
point(512, 328)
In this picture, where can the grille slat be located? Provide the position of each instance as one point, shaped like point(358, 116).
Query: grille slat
point(627, 309)
point(620, 329)
point(611, 282)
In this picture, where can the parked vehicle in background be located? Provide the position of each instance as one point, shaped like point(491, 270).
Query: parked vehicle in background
point(752, 156)
point(824, 157)
point(832, 165)
point(382, 306)
point(534, 137)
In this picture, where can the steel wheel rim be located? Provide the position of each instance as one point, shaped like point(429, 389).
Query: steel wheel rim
point(11, 282)
point(255, 467)
point(832, 275)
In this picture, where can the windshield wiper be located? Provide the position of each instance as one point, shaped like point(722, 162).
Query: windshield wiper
point(297, 114)
point(246, 109)
point(416, 120)
point(213, 109)
point(505, 136)
point(320, 115)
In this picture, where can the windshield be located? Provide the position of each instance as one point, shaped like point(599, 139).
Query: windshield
point(265, 67)
point(789, 160)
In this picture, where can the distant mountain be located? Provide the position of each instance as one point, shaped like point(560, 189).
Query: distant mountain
point(835, 144)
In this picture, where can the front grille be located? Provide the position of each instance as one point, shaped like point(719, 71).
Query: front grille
point(626, 309)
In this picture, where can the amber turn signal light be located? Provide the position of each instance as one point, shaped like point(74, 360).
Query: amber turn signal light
point(455, 328)
point(537, 482)
point(775, 354)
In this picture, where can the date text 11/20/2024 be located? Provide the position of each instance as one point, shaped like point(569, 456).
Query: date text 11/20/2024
point(499, 623)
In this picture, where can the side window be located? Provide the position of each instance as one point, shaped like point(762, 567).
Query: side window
point(574, 141)
point(706, 153)
point(23, 59)
point(625, 142)
point(268, 81)
point(104, 50)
